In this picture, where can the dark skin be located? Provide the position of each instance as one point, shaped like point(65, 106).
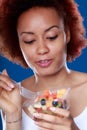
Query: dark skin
point(42, 38)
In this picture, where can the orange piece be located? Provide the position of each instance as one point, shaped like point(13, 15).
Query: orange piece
point(54, 95)
point(46, 93)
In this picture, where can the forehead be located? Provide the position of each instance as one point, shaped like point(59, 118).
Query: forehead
point(39, 16)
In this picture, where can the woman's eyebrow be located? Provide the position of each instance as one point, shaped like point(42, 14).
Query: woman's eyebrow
point(54, 26)
point(27, 33)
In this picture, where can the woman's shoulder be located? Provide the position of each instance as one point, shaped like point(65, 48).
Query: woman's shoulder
point(79, 82)
point(79, 93)
point(79, 78)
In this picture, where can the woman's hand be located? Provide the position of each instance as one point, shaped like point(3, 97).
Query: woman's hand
point(10, 99)
point(60, 121)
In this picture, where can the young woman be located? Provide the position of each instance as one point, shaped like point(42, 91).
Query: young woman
point(43, 35)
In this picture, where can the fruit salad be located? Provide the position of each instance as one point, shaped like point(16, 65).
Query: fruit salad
point(47, 99)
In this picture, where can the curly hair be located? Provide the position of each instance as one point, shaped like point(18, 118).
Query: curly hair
point(10, 10)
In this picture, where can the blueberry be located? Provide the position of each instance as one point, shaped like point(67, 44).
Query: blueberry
point(55, 103)
point(43, 101)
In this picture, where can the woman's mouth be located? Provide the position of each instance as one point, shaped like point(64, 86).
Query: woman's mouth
point(44, 63)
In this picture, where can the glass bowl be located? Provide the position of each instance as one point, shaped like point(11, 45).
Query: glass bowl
point(42, 101)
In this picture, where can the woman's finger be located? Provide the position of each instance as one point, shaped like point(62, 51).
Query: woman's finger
point(5, 72)
point(5, 81)
point(50, 126)
point(4, 86)
point(41, 128)
point(52, 118)
point(61, 112)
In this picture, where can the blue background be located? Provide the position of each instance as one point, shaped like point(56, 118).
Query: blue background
point(19, 73)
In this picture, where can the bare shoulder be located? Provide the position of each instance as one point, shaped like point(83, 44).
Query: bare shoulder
point(78, 78)
point(79, 93)
point(80, 82)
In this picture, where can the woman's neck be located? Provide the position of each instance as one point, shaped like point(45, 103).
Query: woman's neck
point(54, 81)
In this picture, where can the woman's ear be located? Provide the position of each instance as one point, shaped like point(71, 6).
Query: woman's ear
point(68, 36)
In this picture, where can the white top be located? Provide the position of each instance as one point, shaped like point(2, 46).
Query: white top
point(81, 120)
point(28, 123)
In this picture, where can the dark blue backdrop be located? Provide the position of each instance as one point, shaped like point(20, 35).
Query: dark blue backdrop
point(18, 73)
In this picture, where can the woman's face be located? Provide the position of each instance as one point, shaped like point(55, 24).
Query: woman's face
point(42, 40)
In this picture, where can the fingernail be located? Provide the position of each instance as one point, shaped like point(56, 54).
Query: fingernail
point(9, 89)
point(52, 108)
point(5, 72)
point(11, 85)
point(36, 115)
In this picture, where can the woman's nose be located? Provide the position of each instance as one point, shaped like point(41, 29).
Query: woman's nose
point(42, 49)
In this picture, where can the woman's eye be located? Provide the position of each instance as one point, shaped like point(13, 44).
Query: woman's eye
point(29, 42)
point(52, 38)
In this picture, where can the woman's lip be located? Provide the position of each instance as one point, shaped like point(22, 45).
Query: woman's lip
point(44, 63)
